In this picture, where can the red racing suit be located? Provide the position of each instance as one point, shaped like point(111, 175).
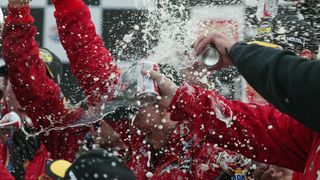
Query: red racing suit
point(37, 93)
point(258, 132)
point(186, 156)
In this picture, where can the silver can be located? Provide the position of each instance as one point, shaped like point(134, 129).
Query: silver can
point(209, 57)
point(147, 89)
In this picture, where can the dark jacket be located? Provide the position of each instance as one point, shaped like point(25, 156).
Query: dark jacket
point(289, 82)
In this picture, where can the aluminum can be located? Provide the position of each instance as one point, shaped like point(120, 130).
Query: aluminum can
point(209, 57)
point(147, 89)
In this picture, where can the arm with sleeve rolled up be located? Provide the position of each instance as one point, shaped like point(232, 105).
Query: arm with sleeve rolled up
point(90, 61)
point(258, 132)
point(289, 82)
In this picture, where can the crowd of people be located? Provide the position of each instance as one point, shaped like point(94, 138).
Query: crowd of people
point(192, 132)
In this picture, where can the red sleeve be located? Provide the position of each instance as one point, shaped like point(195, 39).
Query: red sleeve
point(38, 94)
point(4, 173)
point(258, 132)
point(35, 91)
point(90, 61)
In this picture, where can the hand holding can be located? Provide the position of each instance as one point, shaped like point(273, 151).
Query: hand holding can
point(147, 89)
point(166, 87)
point(222, 44)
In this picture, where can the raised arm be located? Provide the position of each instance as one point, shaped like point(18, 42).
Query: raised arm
point(90, 61)
point(34, 90)
point(258, 132)
point(287, 81)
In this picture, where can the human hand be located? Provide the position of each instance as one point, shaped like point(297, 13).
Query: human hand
point(18, 3)
point(166, 87)
point(266, 172)
point(221, 42)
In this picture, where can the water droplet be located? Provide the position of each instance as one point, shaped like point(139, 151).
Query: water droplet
point(149, 174)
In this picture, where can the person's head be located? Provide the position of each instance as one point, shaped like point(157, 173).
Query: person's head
point(96, 164)
point(53, 64)
point(154, 122)
point(291, 33)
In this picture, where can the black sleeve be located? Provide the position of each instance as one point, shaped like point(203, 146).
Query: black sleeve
point(290, 83)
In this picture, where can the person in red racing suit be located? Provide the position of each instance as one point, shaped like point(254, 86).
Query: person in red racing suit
point(169, 162)
point(259, 132)
point(37, 93)
point(183, 156)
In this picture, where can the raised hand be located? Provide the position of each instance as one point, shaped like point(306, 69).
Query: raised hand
point(166, 87)
point(221, 42)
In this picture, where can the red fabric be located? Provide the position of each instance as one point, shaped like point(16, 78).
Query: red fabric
point(169, 164)
point(90, 61)
point(4, 173)
point(39, 95)
point(35, 91)
point(35, 169)
point(65, 7)
point(297, 176)
point(258, 132)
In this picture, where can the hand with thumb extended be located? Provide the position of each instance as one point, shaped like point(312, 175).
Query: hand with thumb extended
point(166, 87)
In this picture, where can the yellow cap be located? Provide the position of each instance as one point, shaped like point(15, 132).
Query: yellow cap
point(59, 167)
point(265, 44)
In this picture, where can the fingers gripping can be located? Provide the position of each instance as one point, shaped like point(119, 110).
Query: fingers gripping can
point(147, 89)
point(209, 57)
